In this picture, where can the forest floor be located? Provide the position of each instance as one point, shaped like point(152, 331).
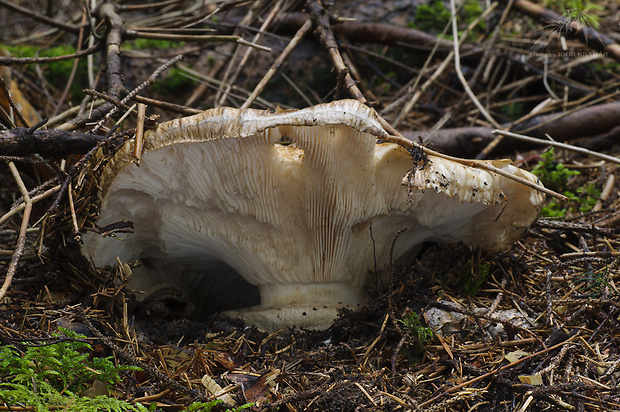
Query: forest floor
point(534, 328)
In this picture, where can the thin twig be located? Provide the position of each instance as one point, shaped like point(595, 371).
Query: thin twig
point(431, 80)
point(40, 17)
point(610, 185)
point(396, 137)
point(14, 61)
point(459, 72)
point(326, 37)
point(7, 91)
point(21, 239)
point(560, 145)
point(65, 92)
point(33, 199)
point(137, 90)
point(76, 229)
point(139, 132)
point(278, 63)
point(246, 56)
point(207, 38)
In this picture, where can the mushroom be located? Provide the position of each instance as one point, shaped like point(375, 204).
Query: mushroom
point(283, 217)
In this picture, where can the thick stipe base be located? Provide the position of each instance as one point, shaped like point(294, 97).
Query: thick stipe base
point(271, 319)
point(305, 306)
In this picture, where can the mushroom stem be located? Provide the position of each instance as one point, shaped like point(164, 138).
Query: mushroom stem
point(304, 305)
point(318, 294)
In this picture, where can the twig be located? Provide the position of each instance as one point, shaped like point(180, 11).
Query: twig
point(601, 254)
point(420, 91)
point(71, 112)
point(326, 37)
point(278, 63)
point(76, 61)
point(407, 108)
point(459, 72)
point(106, 97)
point(246, 56)
point(137, 90)
point(399, 139)
point(560, 145)
point(184, 110)
point(607, 191)
point(139, 132)
point(7, 91)
point(76, 229)
point(206, 38)
point(21, 239)
point(40, 17)
point(33, 199)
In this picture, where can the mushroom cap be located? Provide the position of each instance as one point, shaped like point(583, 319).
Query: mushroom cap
point(302, 204)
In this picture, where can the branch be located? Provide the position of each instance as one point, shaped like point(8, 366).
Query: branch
point(12, 61)
point(48, 142)
point(40, 17)
point(382, 33)
point(326, 37)
point(469, 141)
point(114, 40)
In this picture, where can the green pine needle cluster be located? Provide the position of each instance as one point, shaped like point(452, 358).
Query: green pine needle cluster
point(419, 334)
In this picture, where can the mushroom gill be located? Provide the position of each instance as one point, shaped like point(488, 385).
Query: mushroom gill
point(239, 208)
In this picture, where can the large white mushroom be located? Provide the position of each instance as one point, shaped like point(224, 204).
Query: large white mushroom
point(290, 212)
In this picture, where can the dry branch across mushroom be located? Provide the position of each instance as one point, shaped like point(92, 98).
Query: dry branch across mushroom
point(283, 217)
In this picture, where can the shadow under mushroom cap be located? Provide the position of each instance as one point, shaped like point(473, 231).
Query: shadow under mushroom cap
point(287, 202)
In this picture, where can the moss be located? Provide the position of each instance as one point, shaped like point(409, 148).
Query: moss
point(143, 44)
point(433, 17)
point(57, 73)
point(174, 81)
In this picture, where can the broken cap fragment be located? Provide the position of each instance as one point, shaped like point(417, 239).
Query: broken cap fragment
point(292, 209)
